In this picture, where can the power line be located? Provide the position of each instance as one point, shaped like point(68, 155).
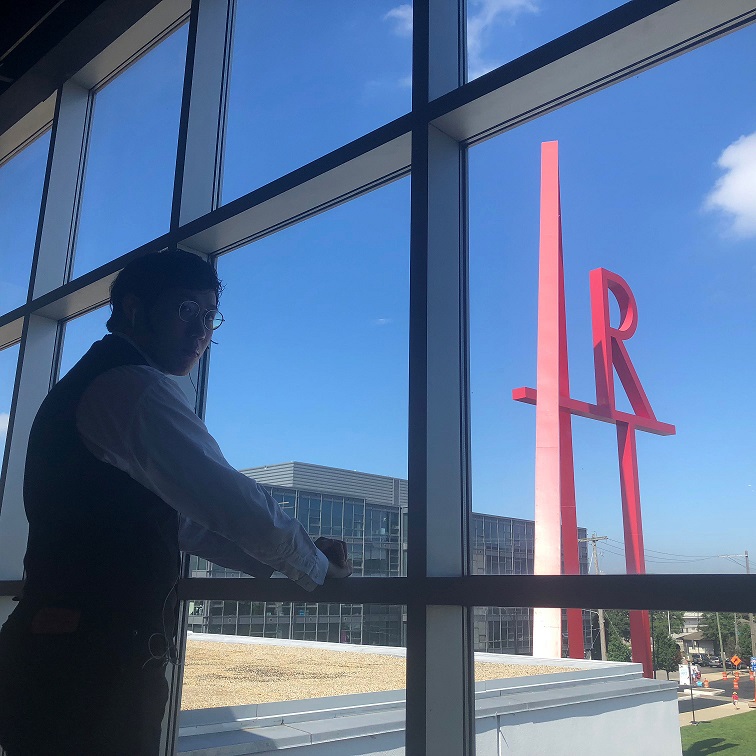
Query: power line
point(666, 557)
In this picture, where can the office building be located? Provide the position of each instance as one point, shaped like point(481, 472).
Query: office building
point(369, 512)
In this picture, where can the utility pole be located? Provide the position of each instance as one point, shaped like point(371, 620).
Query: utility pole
point(721, 646)
point(602, 630)
point(737, 642)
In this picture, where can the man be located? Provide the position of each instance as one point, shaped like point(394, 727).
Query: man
point(120, 475)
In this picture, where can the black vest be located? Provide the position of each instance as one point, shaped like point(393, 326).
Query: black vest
point(98, 540)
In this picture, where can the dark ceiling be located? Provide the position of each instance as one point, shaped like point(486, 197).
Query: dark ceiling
point(31, 28)
point(43, 43)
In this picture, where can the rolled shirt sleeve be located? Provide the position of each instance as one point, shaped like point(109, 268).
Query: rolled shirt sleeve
point(138, 420)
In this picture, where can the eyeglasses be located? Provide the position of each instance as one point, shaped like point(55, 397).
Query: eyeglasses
point(211, 319)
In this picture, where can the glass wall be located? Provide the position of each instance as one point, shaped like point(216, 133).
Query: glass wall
point(303, 83)
point(308, 387)
point(656, 191)
point(311, 664)
point(21, 180)
point(498, 32)
point(79, 334)
point(311, 363)
point(8, 362)
point(131, 158)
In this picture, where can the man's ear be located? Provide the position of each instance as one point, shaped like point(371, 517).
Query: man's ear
point(132, 309)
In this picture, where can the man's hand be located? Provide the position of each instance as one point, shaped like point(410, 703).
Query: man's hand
point(339, 564)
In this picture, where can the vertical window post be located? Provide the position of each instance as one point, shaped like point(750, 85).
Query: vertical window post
point(440, 697)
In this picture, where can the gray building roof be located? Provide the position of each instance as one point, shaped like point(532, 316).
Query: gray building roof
point(375, 489)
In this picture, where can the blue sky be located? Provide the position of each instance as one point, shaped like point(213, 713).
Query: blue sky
point(658, 185)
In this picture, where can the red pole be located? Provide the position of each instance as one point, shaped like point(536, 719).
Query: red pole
point(547, 622)
point(640, 630)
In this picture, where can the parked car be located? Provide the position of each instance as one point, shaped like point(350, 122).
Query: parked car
point(715, 661)
point(700, 659)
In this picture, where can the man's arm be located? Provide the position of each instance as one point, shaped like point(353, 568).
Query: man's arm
point(198, 540)
point(139, 421)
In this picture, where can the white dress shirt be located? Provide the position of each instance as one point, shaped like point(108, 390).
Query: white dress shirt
point(138, 420)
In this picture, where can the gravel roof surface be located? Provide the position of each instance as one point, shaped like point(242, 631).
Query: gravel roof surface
point(230, 674)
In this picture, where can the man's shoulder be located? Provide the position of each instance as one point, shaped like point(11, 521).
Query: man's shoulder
point(128, 384)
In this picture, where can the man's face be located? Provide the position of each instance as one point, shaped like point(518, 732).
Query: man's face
point(174, 344)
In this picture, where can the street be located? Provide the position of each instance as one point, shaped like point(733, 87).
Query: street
point(706, 703)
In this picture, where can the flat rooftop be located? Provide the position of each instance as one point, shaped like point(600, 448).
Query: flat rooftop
point(233, 670)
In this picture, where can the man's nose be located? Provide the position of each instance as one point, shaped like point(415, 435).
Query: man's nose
point(197, 327)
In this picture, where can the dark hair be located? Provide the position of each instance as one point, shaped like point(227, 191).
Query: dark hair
point(149, 276)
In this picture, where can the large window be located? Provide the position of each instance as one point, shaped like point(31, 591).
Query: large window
point(498, 32)
point(131, 156)
point(79, 335)
point(375, 220)
point(658, 193)
point(311, 363)
point(8, 360)
point(303, 83)
point(21, 179)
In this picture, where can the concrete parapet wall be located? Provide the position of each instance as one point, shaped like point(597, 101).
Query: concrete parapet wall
point(580, 711)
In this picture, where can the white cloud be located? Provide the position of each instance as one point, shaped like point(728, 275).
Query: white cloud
point(735, 192)
point(401, 16)
point(382, 321)
point(483, 16)
point(4, 418)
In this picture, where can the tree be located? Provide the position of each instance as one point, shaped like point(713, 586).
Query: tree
point(672, 621)
point(618, 623)
point(618, 635)
point(708, 627)
point(666, 652)
point(618, 650)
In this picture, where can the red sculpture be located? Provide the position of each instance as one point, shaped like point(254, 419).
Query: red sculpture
point(556, 543)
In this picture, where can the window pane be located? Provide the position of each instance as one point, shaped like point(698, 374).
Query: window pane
point(311, 364)
point(80, 334)
point(132, 156)
point(659, 191)
point(498, 32)
point(299, 660)
point(21, 180)
point(304, 83)
point(515, 689)
point(8, 361)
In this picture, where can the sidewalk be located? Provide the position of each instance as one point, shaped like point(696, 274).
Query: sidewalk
point(708, 708)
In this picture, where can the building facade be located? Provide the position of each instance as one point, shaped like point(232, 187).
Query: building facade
point(369, 512)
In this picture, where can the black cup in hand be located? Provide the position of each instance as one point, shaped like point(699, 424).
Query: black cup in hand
point(335, 550)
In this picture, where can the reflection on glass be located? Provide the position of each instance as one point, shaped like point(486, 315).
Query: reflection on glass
point(303, 83)
point(8, 360)
point(498, 32)
point(670, 245)
point(21, 180)
point(80, 334)
point(132, 156)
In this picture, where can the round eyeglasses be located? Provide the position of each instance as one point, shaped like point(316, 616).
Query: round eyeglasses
point(211, 319)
